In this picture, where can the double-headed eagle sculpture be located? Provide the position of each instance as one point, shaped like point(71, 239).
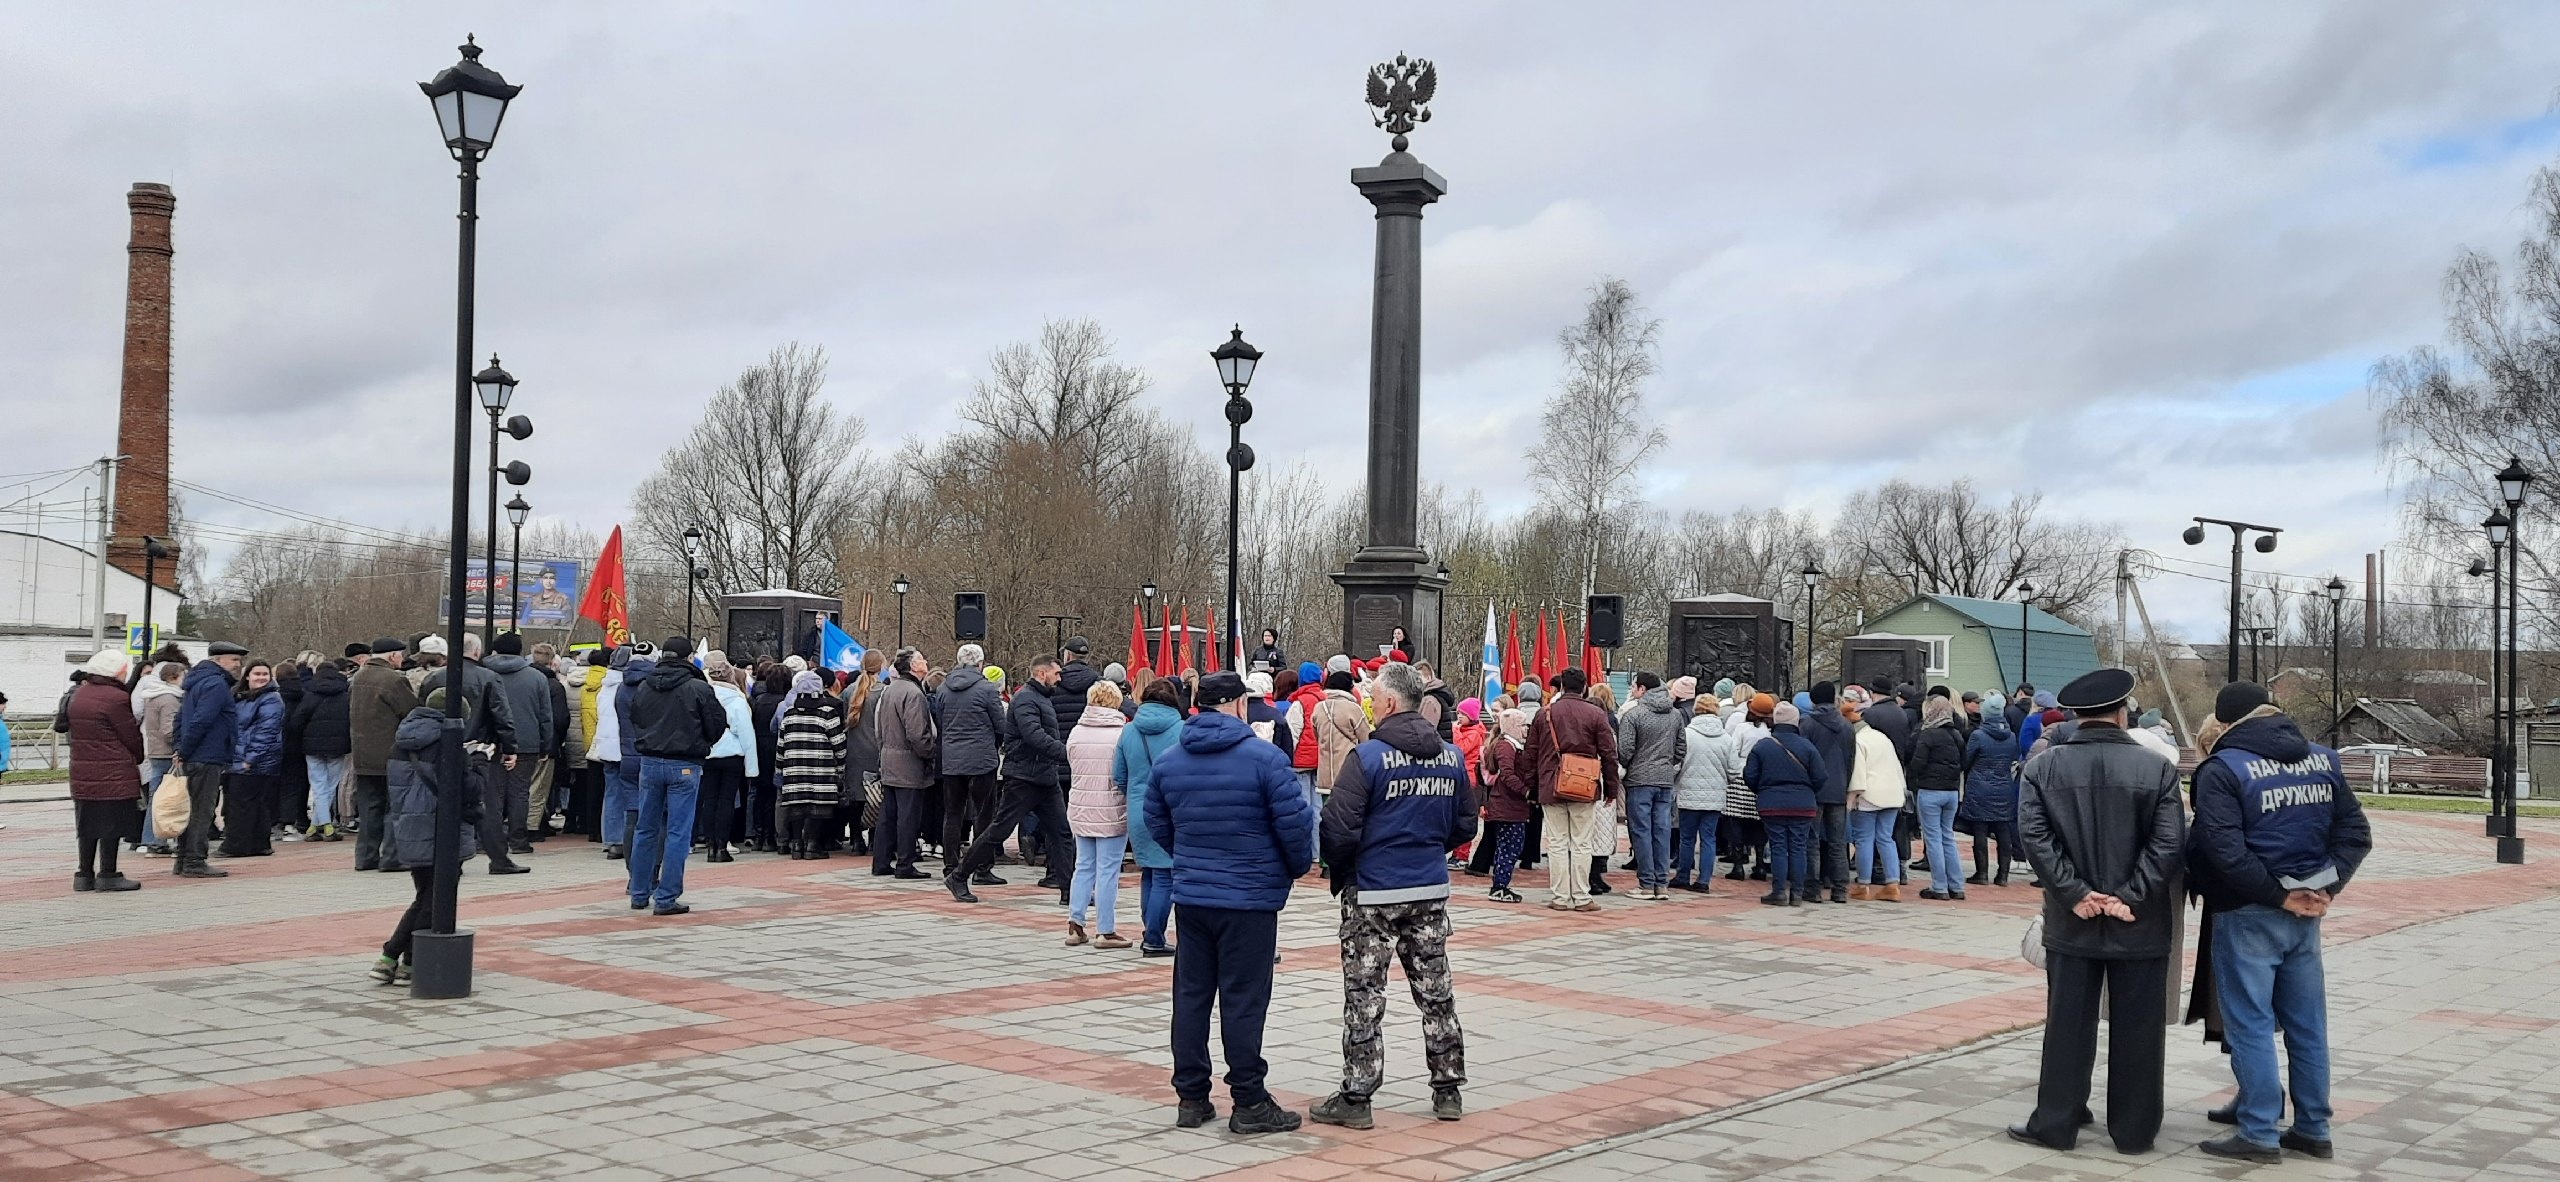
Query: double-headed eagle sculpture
point(1400, 95)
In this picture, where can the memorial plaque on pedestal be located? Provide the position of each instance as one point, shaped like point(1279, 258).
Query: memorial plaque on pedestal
point(1898, 658)
point(1737, 636)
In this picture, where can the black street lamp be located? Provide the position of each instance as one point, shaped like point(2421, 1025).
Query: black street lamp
point(2513, 480)
point(2337, 589)
point(1812, 578)
point(899, 585)
point(497, 388)
point(2026, 628)
point(470, 101)
point(1146, 616)
point(152, 553)
point(1236, 360)
point(517, 511)
point(692, 574)
point(2266, 544)
point(2496, 526)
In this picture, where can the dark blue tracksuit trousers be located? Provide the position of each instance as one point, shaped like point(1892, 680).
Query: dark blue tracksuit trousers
point(1224, 957)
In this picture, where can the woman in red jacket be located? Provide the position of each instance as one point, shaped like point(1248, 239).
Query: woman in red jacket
point(106, 771)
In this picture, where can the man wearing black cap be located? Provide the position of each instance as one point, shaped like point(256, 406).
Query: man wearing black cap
point(2102, 822)
point(1227, 806)
point(208, 741)
point(378, 697)
point(675, 720)
point(2278, 834)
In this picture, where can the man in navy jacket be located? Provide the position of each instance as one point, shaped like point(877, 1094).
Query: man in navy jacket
point(1227, 806)
point(2277, 835)
point(208, 742)
point(1400, 806)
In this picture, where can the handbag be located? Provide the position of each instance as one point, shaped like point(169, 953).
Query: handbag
point(170, 808)
point(1577, 775)
point(2031, 946)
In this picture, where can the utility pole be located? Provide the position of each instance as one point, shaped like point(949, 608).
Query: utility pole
point(2124, 576)
point(2160, 667)
point(106, 523)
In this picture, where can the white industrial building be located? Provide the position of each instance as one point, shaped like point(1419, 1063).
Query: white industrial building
point(49, 605)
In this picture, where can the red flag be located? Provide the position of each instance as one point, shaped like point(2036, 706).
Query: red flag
point(1137, 636)
point(1217, 643)
point(1538, 650)
point(1555, 652)
point(1185, 650)
point(607, 602)
point(1164, 644)
point(1511, 655)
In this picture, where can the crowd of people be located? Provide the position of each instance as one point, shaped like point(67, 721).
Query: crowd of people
point(1223, 790)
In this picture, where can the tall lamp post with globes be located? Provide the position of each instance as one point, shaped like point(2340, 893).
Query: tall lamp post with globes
point(470, 101)
point(498, 388)
point(2026, 628)
point(2513, 481)
point(2266, 544)
point(900, 586)
point(692, 574)
point(2337, 589)
point(517, 511)
point(1812, 578)
point(1236, 360)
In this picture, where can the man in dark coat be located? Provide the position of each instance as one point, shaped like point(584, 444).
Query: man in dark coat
point(972, 715)
point(526, 691)
point(1833, 737)
point(2102, 822)
point(675, 721)
point(908, 749)
point(1034, 760)
point(1227, 807)
point(492, 735)
point(208, 744)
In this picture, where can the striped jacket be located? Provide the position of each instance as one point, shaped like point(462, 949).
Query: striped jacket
point(808, 759)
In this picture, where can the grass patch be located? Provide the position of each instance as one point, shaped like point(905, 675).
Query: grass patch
point(2473, 806)
point(38, 776)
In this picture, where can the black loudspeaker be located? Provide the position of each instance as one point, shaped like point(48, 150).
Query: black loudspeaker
point(1605, 620)
point(969, 615)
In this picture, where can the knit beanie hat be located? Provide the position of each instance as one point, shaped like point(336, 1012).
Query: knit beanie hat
point(1310, 673)
point(1724, 689)
point(1824, 693)
point(1472, 709)
point(1803, 702)
point(1784, 714)
point(2237, 699)
point(1763, 706)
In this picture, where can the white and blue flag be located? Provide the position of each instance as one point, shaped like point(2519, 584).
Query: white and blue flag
point(841, 651)
point(1492, 660)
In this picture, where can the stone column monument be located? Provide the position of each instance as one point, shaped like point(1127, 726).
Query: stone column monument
point(1393, 580)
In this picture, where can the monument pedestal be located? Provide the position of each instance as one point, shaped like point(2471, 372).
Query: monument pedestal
point(1382, 588)
point(1736, 636)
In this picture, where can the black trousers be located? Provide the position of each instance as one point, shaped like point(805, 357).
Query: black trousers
point(491, 776)
point(1025, 798)
point(248, 814)
point(590, 801)
point(968, 805)
point(373, 819)
point(1224, 959)
point(893, 840)
point(763, 793)
point(397, 947)
point(2005, 835)
point(2137, 1047)
point(1831, 831)
point(100, 825)
point(204, 787)
point(722, 780)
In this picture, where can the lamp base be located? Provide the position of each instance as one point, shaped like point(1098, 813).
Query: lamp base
point(440, 964)
point(2501, 826)
point(2511, 851)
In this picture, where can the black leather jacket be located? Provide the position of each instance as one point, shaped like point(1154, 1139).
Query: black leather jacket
point(1936, 761)
point(2101, 813)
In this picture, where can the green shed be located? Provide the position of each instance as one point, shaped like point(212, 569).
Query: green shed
point(1976, 644)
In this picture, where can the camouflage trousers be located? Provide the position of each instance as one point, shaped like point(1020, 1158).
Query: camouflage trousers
point(1416, 934)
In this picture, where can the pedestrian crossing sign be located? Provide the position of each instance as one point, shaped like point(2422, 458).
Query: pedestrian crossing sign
point(141, 639)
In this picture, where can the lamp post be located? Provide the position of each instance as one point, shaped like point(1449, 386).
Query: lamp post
point(497, 388)
point(2026, 628)
point(470, 101)
point(899, 585)
point(2337, 589)
point(1812, 578)
point(1236, 360)
point(692, 574)
point(152, 553)
point(2266, 544)
point(2496, 526)
point(1146, 614)
point(517, 511)
point(2513, 480)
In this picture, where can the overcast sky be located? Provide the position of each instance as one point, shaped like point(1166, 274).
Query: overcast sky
point(2135, 256)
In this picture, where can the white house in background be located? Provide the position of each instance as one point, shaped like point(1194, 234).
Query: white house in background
point(49, 604)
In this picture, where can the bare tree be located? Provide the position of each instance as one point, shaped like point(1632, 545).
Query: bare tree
point(770, 476)
point(1595, 432)
point(2450, 421)
point(1950, 541)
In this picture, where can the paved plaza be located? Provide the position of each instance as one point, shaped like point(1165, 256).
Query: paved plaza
point(810, 1021)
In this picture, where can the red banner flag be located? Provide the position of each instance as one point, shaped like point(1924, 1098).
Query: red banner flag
point(607, 602)
point(1185, 650)
point(1137, 636)
point(1217, 643)
point(1538, 650)
point(1511, 656)
point(1556, 660)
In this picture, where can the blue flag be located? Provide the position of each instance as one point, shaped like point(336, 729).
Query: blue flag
point(1492, 661)
point(837, 650)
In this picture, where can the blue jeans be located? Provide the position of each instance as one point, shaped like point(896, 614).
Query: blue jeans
point(1938, 832)
point(1871, 831)
point(1791, 855)
point(1697, 837)
point(326, 772)
point(151, 839)
point(2266, 968)
point(1155, 902)
point(1097, 862)
point(1315, 803)
point(621, 795)
point(664, 834)
point(1649, 825)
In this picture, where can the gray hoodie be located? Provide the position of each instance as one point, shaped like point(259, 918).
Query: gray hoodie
point(1651, 741)
point(526, 691)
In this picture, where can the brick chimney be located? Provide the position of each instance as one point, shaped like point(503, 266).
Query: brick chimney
point(142, 417)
